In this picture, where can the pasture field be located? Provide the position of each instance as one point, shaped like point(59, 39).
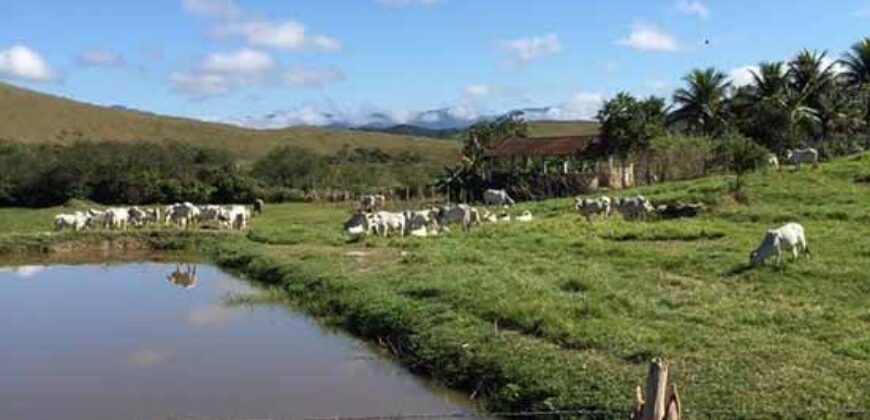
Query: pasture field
point(562, 314)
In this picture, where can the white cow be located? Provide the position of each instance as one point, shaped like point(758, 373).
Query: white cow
point(525, 216)
point(117, 218)
point(772, 161)
point(235, 217)
point(463, 214)
point(787, 237)
point(75, 221)
point(799, 156)
point(589, 206)
point(96, 219)
point(137, 216)
point(386, 222)
point(182, 215)
point(633, 208)
point(152, 216)
point(416, 219)
point(497, 198)
point(489, 217)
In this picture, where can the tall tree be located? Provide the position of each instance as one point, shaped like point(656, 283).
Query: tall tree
point(856, 63)
point(629, 124)
point(811, 79)
point(702, 104)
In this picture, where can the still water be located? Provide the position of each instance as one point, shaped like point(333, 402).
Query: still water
point(156, 340)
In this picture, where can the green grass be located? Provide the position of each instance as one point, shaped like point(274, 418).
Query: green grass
point(30, 116)
point(560, 313)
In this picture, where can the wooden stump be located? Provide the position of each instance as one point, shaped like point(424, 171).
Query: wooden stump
point(657, 401)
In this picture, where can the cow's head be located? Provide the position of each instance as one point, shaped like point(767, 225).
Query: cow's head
point(768, 247)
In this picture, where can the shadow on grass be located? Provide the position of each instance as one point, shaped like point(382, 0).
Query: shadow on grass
point(738, 270)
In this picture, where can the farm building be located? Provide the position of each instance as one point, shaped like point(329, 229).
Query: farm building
point(559, 156)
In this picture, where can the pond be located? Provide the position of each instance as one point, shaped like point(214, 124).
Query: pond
point(158, 340)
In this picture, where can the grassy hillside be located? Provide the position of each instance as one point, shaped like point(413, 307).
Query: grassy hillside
point(29, 116)
point(562, 128)
point(560, 313)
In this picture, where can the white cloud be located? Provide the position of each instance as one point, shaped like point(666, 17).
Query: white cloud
point(99, 57)
point(646, 37)
point(242, 63)
point(316, 77)
point(20, 62)
point(693, 7)
point(524, 50)
point(406, 3)
point(742, 76)
point(835, 65)
point(225, 9)
point(479, 91)
point(199, 85)
point(289, 34)
point(658, 86)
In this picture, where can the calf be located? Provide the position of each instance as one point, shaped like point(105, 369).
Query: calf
point(787, 237)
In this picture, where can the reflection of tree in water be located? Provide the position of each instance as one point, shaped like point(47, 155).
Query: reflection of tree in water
point(183, 278)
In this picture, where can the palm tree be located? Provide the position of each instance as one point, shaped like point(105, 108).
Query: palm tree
point(702, 104)
point(857, 64)
point(811, 80)
point(857, 74)
point(769, 81)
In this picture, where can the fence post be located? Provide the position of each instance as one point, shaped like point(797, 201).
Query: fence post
point(657, 402)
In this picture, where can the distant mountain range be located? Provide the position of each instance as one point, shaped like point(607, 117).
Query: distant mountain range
point(442, 123)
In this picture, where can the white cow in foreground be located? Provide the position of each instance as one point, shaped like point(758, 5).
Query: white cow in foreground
point(497, 198)
point(387, 222)
point(589, 206)
point(633, 208)
point(788, 237)
point(799, 156)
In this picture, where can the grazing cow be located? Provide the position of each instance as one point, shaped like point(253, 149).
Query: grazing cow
point(386, 222)
point(497, 198)
point(772, 161)
point(800, 156)
point(633, 208)
point(679, 210)
point(588, 206)
point(360, 223)
point(525, 216)
point(235, 217)
point(258, 206)
point(788, 237)
point(137, 216)
point(117, 218)
point(463, 214)
point(152, 216)
point(96, 219)
point(74, 221)
point(182, 215)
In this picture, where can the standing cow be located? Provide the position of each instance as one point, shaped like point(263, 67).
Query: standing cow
point(587, 206)
point(789, 236)
point(799, 156)
point(258, 206)
point(497, 198)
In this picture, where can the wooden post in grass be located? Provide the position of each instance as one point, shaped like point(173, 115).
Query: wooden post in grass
point(657, 401)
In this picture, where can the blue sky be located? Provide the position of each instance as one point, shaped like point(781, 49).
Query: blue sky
point(232, 59)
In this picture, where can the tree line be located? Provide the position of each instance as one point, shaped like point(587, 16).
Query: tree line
point(38, 175)
point(808, 101)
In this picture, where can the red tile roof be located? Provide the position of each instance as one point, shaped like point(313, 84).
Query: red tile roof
point(542, 146)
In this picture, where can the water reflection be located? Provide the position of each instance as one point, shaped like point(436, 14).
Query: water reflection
point(221, 349)
point(185, 279)
point(24, 270)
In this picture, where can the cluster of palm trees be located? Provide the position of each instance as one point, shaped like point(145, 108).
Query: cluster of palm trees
point(805, 100)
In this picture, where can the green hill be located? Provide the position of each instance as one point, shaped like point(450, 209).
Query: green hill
point(29, 116)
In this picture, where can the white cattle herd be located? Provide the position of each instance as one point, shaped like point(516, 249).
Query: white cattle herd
point(180, 215)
